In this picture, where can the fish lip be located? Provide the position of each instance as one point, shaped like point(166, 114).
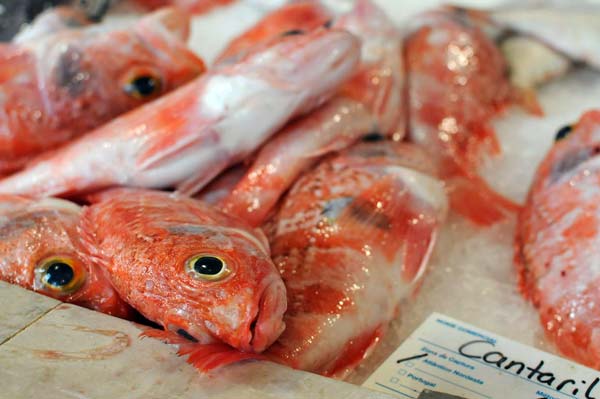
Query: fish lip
point(267, 324)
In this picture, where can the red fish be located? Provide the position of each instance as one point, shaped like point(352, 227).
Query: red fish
point(191, 269)
point(195, 6)
point(457, 83)
point(558, 241)
point(351, 240)
point(41, 250)
point(371, 101)
point(62, 85)
point(188, 137)
point(291, 19)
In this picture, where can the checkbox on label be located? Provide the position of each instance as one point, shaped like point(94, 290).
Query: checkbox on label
point(409, 364)
point(402, 372)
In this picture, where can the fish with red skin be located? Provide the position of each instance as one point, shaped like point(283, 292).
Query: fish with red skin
point(557, 241)
point(62, 85)
point(372, 100)
point(458, 81)
point(41, 250)
point(188, 267)
point(351, 240)
point(186, 138)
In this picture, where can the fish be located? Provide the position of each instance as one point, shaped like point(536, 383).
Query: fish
point(222, 185)
point(557, 240)
point(186, 138)
point(351, 240)
point(60, 86)
point(51, 21)
point(195, 271)
point(41, 250)
point(457, 81)
point(290, 19)
point(372, 101)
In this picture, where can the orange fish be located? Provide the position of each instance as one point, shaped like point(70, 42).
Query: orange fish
point(557, 241)
point(371, 101)
point(457, 83)
point(351, 240)
point(291, 19)
point(41, 250)
point(189, 136)
point(59, 86)
point(188, 267)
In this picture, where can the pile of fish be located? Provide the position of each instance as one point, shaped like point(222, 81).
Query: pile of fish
point(281, 203)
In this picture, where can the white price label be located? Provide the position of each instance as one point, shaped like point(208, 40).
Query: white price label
point(450, 356)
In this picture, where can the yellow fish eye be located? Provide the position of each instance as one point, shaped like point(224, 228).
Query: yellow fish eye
point(142, 85)
point(207, 267)
point(59, 275)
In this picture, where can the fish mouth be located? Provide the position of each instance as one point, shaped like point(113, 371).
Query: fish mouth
point(268, 323)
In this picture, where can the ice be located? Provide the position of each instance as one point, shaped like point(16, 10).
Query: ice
point(471, 275)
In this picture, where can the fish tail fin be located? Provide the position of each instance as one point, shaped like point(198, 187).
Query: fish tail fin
point(473, 198)
point(204, 357)
point(207, 357)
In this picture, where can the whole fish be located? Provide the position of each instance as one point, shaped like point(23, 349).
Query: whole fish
point(41, 250)
point(457, 83)
point(188, 267)
point(51, 21)
point(351, 240)
point(60, 86)
point(558, 239)
point(291, 19)
point(188, 137)
point(371, 101)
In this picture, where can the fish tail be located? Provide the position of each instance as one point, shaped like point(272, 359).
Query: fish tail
point(207, 357)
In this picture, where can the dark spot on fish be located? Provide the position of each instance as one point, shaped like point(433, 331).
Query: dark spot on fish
point(293, 32)
point(69, 74)
point(186, 335)
point(95, 9)
point(563, 132)
point(365, 213)
point(373, 137)
point(572, 160)
point(328, 24)
point(563, 273)
point(334, 208)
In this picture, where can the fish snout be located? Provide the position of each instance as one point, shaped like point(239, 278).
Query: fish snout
point(268, 323)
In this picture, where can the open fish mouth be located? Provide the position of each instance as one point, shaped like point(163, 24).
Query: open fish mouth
point(268, 323)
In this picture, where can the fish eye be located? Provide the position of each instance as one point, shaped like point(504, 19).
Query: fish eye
point(59, 275)
point(207, 267)
point(293, 32)
point(328, 24)
point(563, 132)
point(142, 83)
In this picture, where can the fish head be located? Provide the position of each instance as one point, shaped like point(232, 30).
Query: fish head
point(40, 250)
point(105, 71)
point(575, 152)
point(190, 268)
point(290, 19)
point(230, 289)
point(323, 57)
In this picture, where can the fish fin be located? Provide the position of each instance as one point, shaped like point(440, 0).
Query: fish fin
point(355, 351)
point(473, 198)
point(168, 337)
point(174, 140)
point(528, 100)
point(207, 357)
point(197, 182)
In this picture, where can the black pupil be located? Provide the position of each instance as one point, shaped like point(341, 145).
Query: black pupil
point(208, 265)
point(59, 274)
point(562, 133)
point(144, 85)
